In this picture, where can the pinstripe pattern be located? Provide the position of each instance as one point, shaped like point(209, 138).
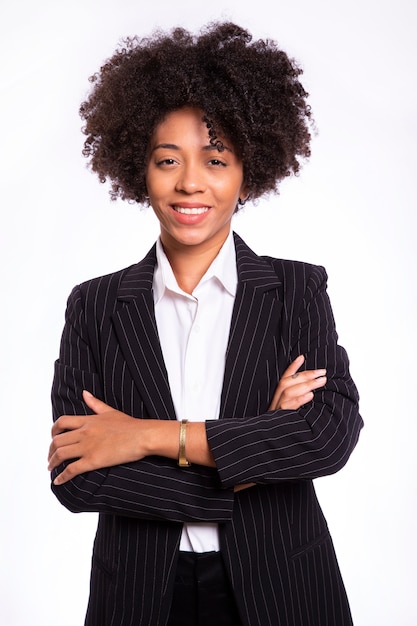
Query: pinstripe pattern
point(274, 537)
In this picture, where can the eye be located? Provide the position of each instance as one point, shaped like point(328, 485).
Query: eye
point(166, 162)
point(217, 163)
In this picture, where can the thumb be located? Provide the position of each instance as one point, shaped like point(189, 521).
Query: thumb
point(94, 403)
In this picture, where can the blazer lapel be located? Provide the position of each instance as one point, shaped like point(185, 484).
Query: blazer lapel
point(255, 319)
point(135, 326)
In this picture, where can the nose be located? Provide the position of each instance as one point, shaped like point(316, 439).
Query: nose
point(190, 179)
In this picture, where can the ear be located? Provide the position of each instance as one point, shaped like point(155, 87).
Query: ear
point(243, 194)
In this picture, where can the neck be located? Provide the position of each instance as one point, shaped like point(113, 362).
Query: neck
point(190, 263)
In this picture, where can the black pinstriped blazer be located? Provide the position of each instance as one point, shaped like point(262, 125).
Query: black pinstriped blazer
point(274, 537)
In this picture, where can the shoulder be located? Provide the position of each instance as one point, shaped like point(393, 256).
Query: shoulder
point(297, 271)
point(99, 287)
point(102, 292)
point(290, 273)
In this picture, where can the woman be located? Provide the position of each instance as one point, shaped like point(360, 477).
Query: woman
point(199, 392)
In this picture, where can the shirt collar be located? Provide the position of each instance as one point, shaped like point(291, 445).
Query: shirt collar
point(223, 268)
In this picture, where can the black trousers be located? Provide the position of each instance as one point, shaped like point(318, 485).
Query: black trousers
point(203, 595)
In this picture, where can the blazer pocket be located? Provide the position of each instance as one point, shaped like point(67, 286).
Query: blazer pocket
point(311, 545)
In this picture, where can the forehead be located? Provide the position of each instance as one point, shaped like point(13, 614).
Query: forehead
point(188, 120)
point(189, 128)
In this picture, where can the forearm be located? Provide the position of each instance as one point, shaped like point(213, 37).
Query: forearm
point(162, 439)
point(288, 445)
point(153, 489)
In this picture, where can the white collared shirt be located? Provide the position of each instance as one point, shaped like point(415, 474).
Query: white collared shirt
point(193, 331)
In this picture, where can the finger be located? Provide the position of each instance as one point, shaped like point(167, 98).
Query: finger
point(62, 454)
point(292, 377)
point(292, 392)
point(293, 404)
point(295, 390)
point(96, 405)
point(301, 377)
point(62, 440)
point(73, 469)
point(237, 488)
point(66, 423)
point(294, 366)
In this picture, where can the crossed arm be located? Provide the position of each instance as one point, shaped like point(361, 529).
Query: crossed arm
point(111, 437)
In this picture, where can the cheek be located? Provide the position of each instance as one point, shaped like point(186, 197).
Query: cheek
point(233, 190)
point(151, 179)
point(158, 214)
point(158, 186)
point(228, 187)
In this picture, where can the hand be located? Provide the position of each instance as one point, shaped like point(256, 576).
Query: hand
point(107, 438)
point(237, 488)
point(296, 388)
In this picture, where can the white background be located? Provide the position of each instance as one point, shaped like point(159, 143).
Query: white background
point(353, 209)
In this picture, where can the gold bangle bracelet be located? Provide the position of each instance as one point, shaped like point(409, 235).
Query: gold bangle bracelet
point(182, 459)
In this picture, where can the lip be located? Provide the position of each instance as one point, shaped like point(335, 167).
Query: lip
point(190, 212)
point(190, 205)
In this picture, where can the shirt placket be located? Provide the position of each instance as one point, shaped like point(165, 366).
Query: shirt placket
point(193, 375)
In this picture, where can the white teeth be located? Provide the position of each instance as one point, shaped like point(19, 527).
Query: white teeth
point(193, 211)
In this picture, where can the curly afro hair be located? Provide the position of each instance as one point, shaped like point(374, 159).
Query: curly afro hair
point(248, 91)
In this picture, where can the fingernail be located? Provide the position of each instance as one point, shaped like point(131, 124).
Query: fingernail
point(88, 394)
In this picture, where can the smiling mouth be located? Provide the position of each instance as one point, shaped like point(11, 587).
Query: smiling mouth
point(191, 211)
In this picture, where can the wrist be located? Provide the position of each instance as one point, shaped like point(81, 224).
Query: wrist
point(182, 451)
point(161, 438)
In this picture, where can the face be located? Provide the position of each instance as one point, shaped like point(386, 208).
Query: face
point(193, 188)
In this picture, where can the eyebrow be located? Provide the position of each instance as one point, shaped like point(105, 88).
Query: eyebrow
point(172, 146)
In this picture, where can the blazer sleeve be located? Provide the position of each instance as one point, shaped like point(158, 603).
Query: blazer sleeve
point(153, 488)
point(318, 438)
